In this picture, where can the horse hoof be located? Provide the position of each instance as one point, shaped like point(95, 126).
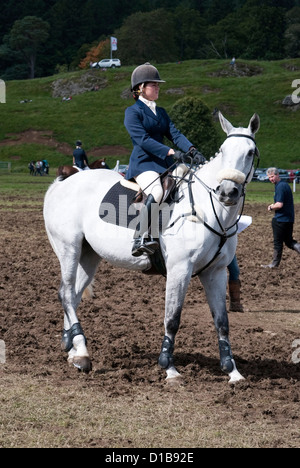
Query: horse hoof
point(235, 376)
point(172, 374)
point(83, 364)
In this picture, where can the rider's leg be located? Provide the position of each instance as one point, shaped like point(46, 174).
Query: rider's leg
point(143, 240)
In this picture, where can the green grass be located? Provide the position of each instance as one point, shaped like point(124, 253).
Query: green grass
point(97, 118)
point(19, 190)
point(263, 192)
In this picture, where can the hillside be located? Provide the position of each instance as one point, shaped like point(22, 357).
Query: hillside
point(47, 126)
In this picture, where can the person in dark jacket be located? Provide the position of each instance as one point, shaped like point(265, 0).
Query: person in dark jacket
point(284, 218)
point(80, 160)
point(147, 126)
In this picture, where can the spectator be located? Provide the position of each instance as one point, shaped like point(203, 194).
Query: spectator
point(284, 218)
point(80, 160)
point(38, 168)
point(45, 166)
point(31, 167)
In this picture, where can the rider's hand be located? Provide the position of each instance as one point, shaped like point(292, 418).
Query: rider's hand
point(182, 157)
point(197, 157)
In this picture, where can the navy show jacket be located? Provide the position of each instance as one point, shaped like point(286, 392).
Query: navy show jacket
point(147, 132)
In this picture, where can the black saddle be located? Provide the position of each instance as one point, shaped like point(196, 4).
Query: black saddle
point(122, 204)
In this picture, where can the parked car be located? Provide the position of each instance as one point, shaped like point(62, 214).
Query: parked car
point(257, 174)
point(284, 175)
point(107, 63)
point(292, 176)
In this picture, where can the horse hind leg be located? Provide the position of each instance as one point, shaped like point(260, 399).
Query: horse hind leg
point(74, 341)
point(176, 288)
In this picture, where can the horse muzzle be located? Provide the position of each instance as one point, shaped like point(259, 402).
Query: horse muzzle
point(231, 186)
point(229, 192)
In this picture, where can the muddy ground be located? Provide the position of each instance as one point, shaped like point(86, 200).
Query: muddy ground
point(124, 328)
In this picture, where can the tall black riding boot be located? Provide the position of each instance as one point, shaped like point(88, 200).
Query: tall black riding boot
point(143, 241)
point(276, 260)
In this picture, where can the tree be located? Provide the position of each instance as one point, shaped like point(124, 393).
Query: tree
point(26, 36)
point(193, 118)
point(251, 32)
point(265, 33)
point(96, 53)
point(190, 32)
point(147, 37)
point(292, 34)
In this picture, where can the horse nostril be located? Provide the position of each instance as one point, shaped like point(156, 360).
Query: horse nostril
point(234, 192)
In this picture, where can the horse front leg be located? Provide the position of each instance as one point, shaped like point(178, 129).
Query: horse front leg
point(215, 285)
point(176, 288)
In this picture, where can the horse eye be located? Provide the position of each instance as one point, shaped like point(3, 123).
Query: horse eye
point(251, 153)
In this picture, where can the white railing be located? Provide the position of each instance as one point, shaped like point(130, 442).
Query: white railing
point(5, 166)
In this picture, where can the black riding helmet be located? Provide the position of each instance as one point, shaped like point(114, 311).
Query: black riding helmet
point(144, 74)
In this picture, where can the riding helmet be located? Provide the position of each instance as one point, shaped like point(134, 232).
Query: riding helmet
point(144, 74)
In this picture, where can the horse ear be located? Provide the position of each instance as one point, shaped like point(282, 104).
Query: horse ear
point(225, 124)
point(254, 124)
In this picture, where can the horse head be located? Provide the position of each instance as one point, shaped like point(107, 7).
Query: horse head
point(238, 154)
point(99, 164)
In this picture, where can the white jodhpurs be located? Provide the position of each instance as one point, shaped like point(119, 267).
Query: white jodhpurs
point(150, 183)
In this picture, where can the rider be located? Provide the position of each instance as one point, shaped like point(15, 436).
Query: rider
point(147, 126)
point(80, 160)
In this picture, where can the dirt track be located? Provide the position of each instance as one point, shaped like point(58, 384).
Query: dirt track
point(124, 327)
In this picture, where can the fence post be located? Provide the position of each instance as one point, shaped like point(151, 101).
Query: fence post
point(2, 352)
point(2, 92)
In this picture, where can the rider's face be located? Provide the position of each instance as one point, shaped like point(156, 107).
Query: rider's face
point(151, 91)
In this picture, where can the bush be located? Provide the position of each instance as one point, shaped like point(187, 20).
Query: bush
point(193, 118)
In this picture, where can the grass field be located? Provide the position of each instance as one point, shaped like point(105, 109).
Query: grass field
point(26, 191)
point(97, 117)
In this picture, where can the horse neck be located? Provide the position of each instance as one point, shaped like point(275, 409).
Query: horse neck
point(209, 171)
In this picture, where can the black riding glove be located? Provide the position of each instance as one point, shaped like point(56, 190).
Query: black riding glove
point(182, 157)
point(197, 157)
